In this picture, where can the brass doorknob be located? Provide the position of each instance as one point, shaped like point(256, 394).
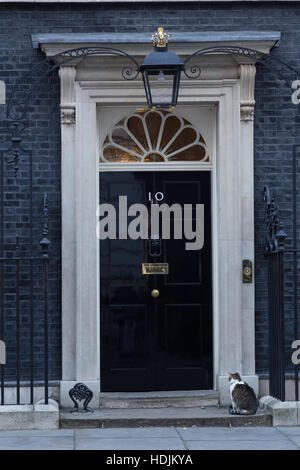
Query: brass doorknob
point(155, 293)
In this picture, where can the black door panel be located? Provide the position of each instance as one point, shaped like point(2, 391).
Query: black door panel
point(162, 343)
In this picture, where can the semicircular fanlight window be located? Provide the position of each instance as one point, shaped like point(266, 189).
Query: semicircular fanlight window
point(153, 136)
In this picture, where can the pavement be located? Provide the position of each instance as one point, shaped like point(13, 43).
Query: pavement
point(154, 438)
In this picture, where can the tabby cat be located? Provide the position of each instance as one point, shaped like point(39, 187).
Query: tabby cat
point(243, 398)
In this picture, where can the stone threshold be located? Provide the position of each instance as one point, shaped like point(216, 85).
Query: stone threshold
point(162, 394)
point(159, 399)
point(120, 418)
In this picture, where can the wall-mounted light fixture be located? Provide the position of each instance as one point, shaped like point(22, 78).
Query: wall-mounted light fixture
point(161, 72)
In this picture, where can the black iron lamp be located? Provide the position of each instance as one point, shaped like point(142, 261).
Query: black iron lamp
point(161, 72)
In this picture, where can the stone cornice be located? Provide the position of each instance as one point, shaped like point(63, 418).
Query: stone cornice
point(176, 37)
point(139, 44)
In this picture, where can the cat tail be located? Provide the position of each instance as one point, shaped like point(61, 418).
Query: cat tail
point(247, 412)
point(252, 411)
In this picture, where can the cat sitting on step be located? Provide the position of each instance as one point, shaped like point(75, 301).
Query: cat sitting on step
point(243, 398)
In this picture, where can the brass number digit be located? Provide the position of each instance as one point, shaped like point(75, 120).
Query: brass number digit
point(158, 196)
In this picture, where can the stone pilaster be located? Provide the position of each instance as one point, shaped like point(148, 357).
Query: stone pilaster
point(247, 102)
point(68, 139)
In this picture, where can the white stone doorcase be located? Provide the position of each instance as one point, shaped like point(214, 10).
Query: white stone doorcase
point(226, 83)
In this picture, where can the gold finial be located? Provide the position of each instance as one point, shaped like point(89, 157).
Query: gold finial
point(160, 39)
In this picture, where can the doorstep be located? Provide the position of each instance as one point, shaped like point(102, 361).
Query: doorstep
point(159, 399)
point(143, 417)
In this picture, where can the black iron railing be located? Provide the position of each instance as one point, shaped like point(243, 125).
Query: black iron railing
point(276, 325)
point(24, 323)
point(283, 264)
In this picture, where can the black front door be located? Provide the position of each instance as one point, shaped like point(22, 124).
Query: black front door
point(164, 342)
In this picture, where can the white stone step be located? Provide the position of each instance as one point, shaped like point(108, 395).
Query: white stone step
point(171, 399)
point(163, 417)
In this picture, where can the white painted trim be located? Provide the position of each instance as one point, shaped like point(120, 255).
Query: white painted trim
point(215, 257)
point(227, 222)
point(159, 166)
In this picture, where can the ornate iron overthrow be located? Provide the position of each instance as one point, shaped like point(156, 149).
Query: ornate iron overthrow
point(81, 392)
